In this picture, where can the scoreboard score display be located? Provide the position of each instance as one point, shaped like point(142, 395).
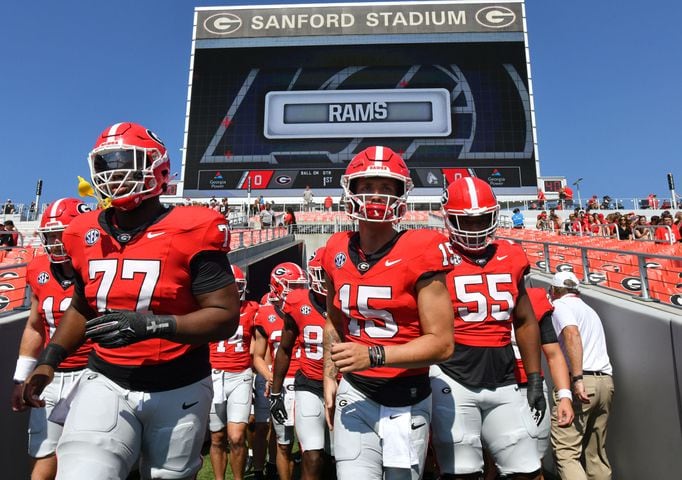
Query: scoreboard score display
point(282, 97)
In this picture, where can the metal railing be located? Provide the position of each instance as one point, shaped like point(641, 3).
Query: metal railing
point(643, 263)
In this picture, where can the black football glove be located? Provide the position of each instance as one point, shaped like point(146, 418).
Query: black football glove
point(118, 329)
point(277, 408)
point(536, 396)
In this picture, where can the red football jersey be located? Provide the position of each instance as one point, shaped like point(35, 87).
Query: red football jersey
point(233, 354)
point(269, 320)
point(149, 273)
point(484, 296)
point(380, 303)
point(54, 297)
point(310, 319)
point(541, 306)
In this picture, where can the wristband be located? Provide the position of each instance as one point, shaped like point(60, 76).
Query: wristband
point(575, 378)
point(377, 356)
point(25, 366)
point(53, 355)
point(564, 393)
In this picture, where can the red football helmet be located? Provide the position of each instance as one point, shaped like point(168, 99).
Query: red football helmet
point(55, 218)
point(376, 162)
point(471, 212)
point(129, 164)
point(284, 278)
point(316, 273)
point(240, 280)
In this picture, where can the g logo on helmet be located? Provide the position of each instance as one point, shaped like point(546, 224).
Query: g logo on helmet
point(82, 208)
point(444, 197)
point(280, 271)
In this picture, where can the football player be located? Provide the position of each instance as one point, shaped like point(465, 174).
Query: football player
point(152, 288)
point(475, 393)
point(284, 278)
point(50, 279)
point(389, 316)
point(232, 382)
point(304, 320)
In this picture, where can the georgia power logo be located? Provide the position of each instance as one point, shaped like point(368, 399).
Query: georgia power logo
point(223, 23)
point(495, 17)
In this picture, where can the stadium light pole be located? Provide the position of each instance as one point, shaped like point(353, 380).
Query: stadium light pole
point(576, 184)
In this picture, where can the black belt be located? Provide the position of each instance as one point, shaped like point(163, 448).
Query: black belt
point(595, 374)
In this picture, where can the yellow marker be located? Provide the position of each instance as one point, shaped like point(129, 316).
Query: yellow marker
point(84, 188)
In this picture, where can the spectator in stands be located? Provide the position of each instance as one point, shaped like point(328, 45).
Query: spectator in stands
point(562, 198)
point(328, 203)
point(541, 198)
point(267, 216)
point(12, 235)
point(666, 232)
point(308, 199)
point(623, 228)
point(3, 235)
point(641, 230)
point(517, 219)
point(593, 203)
point(224, 208)
point(606, 202)
point(31, 211)
point(9, 207)
point(290, 220)
point(654, 220)
point(568, 191)
point(580, 448)
point(653, 201)
point(554, 221)
point(542, 222)
point(261, 203)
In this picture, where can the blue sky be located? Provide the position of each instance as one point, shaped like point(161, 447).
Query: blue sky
point(606, 84)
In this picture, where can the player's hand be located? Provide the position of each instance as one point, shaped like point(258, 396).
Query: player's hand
point(579, 391)
point(350, 357)
point(277, 408)
point(18, 404)
point(564, 412)
point(35, 384)
point(330, 387)
point(118, 329)
point(536, 396)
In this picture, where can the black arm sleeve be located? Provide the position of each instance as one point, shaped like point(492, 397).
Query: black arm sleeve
point(210, 271)
point(547, 333)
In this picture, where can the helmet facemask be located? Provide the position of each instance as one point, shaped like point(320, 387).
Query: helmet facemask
point(51, 240)
point(472, 232)
point(316, 279)
point(128, 174)
point(375, 207)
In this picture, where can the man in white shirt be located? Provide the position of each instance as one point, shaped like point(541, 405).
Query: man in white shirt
point(581, 337)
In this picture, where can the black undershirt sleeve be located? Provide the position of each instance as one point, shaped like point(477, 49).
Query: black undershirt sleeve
point(547, 333)
point(210, 271)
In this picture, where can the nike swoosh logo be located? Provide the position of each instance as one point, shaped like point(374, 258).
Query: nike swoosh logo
point(185, 406)
point(393, 417)
point(392, 262)
point(414, 427)
point(155, 234)
point(499, 259)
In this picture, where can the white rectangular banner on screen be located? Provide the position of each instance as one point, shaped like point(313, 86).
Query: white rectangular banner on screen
point(424, 112)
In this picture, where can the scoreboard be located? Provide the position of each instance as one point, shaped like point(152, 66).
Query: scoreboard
point(282, 97)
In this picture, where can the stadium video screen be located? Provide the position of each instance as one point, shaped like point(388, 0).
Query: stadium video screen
point(276, 119)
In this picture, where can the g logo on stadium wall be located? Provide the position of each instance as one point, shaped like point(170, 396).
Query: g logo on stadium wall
point(6, 275)
point(541, 264)
point(223, 23)
point(4, 302)
point(6, 286)
point(676, 300)
point(596, 277)
point(495, 17)
point(564, 267)
point(632, 284)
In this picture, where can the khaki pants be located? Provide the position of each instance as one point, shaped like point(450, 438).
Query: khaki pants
point(580, 449)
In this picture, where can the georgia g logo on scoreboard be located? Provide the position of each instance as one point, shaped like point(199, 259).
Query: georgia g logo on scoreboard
point(223, 23)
